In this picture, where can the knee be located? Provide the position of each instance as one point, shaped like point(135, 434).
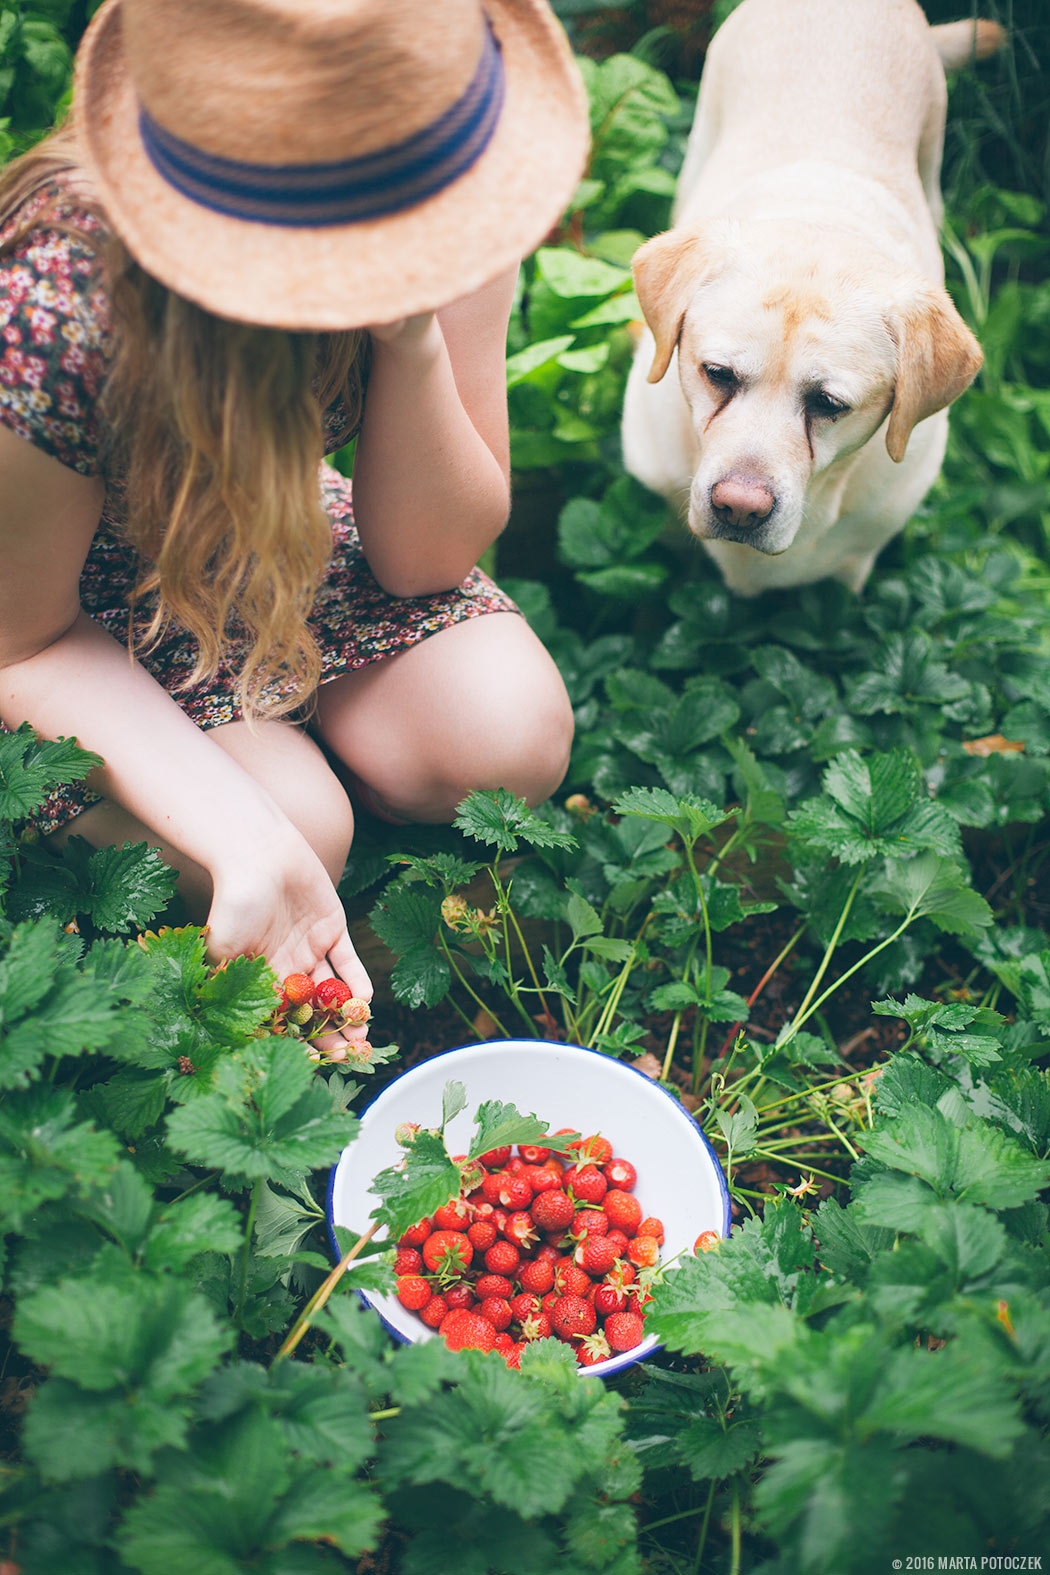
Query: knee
point(519, 737)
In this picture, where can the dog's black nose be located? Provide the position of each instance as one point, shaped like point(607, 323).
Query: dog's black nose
point(742, 501)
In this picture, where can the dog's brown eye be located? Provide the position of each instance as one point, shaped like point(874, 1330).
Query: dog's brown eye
point(823, 405)
point(720, 376)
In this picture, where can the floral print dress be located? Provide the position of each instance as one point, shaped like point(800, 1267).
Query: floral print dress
point(54, 355)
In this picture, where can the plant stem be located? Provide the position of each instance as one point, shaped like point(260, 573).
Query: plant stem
point(321, 1295)
point(801, 1015)
point(384, 1416)
point(457, 970)
point(735, 1567)
point(246, 1251)
point(703, 1528)
point(760, 986)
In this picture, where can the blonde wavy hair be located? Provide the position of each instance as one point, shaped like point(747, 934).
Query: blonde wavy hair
point(217, 429)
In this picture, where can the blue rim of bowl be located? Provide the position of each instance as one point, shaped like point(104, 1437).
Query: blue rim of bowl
point(612, 1364)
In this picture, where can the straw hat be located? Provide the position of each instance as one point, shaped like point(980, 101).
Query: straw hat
point(312, 164)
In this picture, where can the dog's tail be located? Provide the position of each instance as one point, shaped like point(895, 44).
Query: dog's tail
point(959, 44)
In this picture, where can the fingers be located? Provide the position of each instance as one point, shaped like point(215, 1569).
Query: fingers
point(347, 966)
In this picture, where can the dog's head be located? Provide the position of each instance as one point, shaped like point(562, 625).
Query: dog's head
point(793, 349)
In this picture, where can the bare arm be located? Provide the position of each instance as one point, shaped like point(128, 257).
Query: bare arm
point(61, 672)
point(432, 465)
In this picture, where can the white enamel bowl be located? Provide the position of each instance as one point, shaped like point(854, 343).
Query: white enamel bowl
point(679, 1179)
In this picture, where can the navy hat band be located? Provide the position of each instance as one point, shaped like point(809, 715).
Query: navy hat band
point(351, 191)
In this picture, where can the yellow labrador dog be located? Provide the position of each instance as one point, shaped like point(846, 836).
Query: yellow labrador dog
point(800, 292)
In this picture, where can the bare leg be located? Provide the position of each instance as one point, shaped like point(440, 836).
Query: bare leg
point(478, 705)
point(292, 769)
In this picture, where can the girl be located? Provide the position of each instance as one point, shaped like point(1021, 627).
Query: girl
point(271, 225)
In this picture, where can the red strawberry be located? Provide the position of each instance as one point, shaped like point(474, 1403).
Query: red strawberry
point(503, 1343)
point(434, 1311)
point(467, 1331)
point(588, 1184)
point(490, 1185)
point(515, 1165)
point(622, 1274)
point(496, 1158)
point(413, 1291)
point(502, 1258)
point(651, 1227)
point(416, 1235)
point(596, 1256)
point(515, 1192)
point(523, 1304)
point(638, 1299)
point(644, 1251)
point(590, 1222)
point(569, 1278)
point(537, 1326)
point(492, 1285)
point(497, 1310)
point(513, 1356)
point(597, 1150)
point(447, 1252)
point(549, 1302)
point(537, 1275)
point(593, 1348)
point(620, 1173)
point(553, 1210)
point(299, 989)
point(609, 1299)
point(707, 1241)
point(482, 1234)
point(619, 1241)
point(331, 994)
point(572, 1316)
point(624, 1330)
point(623, 1211)
point(459, 1296)
point(452, 1215)
point(547, 1253)
point(542, 1178)
point(533, 1155)
point(520, 1230)
point(407, 1261)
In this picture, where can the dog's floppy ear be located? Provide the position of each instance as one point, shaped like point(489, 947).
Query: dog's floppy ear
point(668, 270)
point(937, 357)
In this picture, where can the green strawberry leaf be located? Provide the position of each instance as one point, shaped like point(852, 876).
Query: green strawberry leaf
point(500, 820)
point(30, 767)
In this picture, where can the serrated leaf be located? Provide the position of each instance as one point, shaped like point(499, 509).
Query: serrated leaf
point(30, 767)
point(267, 1117)
point(45, 1153)
point(583, 918)
point(934, 888)
point(691, 816)
point(424, 1181)
point(453, 1100)
point(978, 1162)
point(500, 820)
point(499, 1123)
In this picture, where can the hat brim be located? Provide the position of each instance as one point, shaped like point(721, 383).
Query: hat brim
point(348, 275)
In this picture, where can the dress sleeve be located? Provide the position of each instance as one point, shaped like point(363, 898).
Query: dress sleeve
point(54, 346)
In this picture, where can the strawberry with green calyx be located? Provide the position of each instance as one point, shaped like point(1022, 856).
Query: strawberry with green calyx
point(408, 1261)
point(593, 1348)
point(707, 1241)
point(588, 1184)
point(537, 1326)
point(354, 1012)
point(608, 1299)
point(447, 1253)
point(597, 1150)
point(433, 1311)
point(595, 1256)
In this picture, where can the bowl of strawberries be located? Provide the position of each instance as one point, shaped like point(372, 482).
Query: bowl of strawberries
point(561, 1234)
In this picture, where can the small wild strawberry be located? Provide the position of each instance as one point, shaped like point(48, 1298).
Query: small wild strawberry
point(452, 1215)
point(493, 1285)
point(537, 1276)
point(533, 1155)
point(588, 1184)
point(593, 1348)
point(434, 1311)
point(459, 1296)
point(496, 1158)
point(331, 994)
point(644, 1251)
point(622, 1210)
point(481, 1234)
point(408, 1261)
point(497, 1310)
point(502, 1258)
point(609, 1299)
point(596, 1256)
point(537, 1326)
point(355, 1012)
point(299, 989)
point(707, 1241)
point(597, 1150)
point(416, 1234)
point(651, 1227)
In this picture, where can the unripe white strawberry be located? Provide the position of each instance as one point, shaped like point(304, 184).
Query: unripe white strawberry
point(355, 1012)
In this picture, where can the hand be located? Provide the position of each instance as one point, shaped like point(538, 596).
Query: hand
point(284, 907)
